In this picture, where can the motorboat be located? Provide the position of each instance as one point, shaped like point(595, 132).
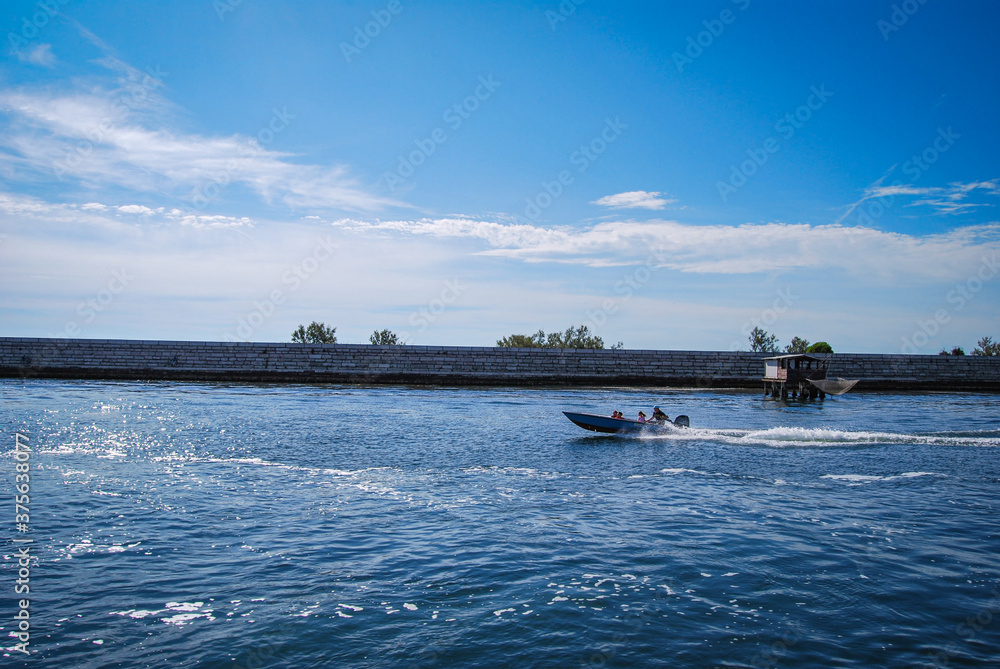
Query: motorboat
point(609, 425)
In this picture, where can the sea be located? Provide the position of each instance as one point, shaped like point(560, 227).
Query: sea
point(246, 526)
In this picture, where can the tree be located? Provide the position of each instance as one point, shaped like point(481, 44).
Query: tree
point(958, 350)
point(578, 337)
point(316, 333)
point(797, 346)
point(762, 342)
point(819, 347)
point(575, 338)
point(384, 338)
point(536, 340)
point(986, 346)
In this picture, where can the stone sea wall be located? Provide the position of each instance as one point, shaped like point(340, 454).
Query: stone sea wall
point(460, 365)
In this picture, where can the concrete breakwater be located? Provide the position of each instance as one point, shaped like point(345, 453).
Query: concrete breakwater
point(461, 365)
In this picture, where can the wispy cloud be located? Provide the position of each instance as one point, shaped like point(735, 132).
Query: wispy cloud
point(199, 274)
point(718, 249)
point(27, 208)
point(695, 249)
point(40, 54)
point(951, 199)
point(636, 199)
point(49, 129)
point(121, 130)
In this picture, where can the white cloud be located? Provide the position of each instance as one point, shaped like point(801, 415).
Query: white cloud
point(636, 199)
point(39, 55)
point(951, 199)
point(135, 209)
point(898, 189)
point(120, 151)
point(120, 131)
point(719, 249)
point(90, 213)
point(701, 249)
point(208, 221)
point(196, 276)
point(24, 205)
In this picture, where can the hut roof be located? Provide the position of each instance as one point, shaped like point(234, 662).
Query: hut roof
point(800, 356)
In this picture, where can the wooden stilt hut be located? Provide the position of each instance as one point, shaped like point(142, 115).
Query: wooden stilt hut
point(790, 375)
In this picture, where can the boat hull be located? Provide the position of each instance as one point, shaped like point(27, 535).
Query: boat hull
point(608, 425)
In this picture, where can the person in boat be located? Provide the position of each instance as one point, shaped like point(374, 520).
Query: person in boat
point(618, 414)
point(658, 416)
point(642, 417)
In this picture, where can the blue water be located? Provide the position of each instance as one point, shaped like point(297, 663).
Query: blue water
point(189, 525)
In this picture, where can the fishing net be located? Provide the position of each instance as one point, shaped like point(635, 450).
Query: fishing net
point(836, 386)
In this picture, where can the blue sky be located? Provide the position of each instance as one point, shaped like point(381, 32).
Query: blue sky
point(456, 172)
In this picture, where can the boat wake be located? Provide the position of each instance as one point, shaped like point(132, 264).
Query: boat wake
point(797, 437)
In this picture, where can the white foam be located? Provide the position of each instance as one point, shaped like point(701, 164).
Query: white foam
point(112, 454)
point(308, 611)
point(136, 614)
point(851, 477)
point(786, 436)
point(185, 606)
point(182, 619)
point(690, 471)
point(858, 479)
point(184, 613)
